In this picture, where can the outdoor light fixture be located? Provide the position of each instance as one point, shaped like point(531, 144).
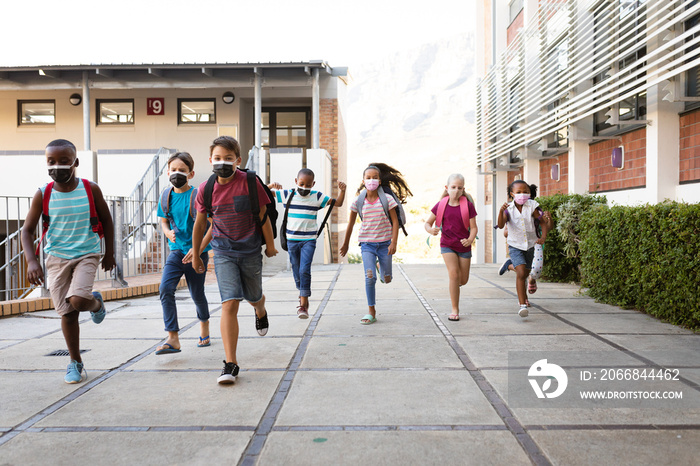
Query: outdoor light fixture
point(617, 159)
point(75, 99)
point(556, 172)
point(228, 97)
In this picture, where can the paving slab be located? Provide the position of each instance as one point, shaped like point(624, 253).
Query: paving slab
point(123, 448)
point(667, 350)
point(380, 352)
point(21, 328)
point(621, 447)
point(392, 448)
point(632, 323)
point(505, 324)
point(386, 397)
point(170, 399)
point(386, 324)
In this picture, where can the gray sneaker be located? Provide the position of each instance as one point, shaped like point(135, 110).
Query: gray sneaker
point(99, 315)
point(75, 373)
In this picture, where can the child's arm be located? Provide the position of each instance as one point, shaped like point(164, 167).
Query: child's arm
point(270, 250)
point(547, 224)
point(348, 233)
point(502, 219)
point(473, 230)
point(341, 195)
point(394, 231)
point(105, 217)
point(274, 186)
point(200, 224)
point(205, 242)
point(35, 274)
point(165, 225)
point(429, 225)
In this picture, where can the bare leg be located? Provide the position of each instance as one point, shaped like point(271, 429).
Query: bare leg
point(229, 328)
point(521, 283)
point(454, 273)
point(172, 340)
point(204, 328)
point(71, 333)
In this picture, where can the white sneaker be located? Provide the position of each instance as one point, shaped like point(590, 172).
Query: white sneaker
point(523, 312)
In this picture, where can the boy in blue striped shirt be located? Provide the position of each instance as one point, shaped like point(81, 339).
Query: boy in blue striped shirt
point(72, 246)
point(302, 229)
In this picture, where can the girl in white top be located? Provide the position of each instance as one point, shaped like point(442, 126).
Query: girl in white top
point(520, 216)
point(379, 230)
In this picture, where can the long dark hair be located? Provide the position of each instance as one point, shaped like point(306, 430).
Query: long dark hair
point(533, 189)
point(391, 178)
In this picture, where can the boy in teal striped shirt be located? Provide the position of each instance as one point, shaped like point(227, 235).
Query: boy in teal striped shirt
point(302, 229)
point(72, 246)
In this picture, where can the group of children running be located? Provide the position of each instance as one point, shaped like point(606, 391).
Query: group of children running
point(229, 214)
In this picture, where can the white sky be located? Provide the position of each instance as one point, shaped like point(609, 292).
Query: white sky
point(340, 32)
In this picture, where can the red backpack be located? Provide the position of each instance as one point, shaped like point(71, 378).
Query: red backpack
point(94, 219)
point(463, 209)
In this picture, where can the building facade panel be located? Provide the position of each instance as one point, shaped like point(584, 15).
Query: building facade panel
point(689, 160)
point(548, 186)
point(604, 177)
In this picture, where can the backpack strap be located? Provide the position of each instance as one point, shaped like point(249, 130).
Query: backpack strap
point(442, 205)
point(208, 193)
point(165, 200)
point(360, 202)
point(325, 219)
point(193, 209)
point(253, 195)
point(286, 211)
point(45, 219)
point(385, 203)
point(464, 210)
point(94, 219)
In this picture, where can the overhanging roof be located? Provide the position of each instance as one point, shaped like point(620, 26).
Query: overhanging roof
point(159, 75)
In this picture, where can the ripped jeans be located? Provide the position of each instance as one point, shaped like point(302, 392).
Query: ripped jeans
point(371, 253)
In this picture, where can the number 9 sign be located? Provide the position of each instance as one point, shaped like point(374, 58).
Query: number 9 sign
point(155, 106)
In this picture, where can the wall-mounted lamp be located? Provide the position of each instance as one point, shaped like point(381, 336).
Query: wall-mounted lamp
point(75, 99)
point(617, 159)
point(556, 172)
point(228, 97)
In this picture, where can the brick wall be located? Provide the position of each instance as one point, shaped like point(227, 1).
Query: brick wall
point(488, 241)
point(488, 187)
point(689, 157)
point(329, 128)
point(515, 26)
point(603, 177)
point(547, 186)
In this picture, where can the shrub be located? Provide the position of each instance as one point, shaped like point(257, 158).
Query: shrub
point(645, 257)
point(561, 261)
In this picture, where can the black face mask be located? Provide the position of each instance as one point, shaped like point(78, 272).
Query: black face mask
point(61, 173)
point(303, 191)
point(223, 169)
point(178, 179)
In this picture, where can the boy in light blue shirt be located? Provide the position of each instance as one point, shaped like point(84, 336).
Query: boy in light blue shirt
point(176, 212)
point(302, 229)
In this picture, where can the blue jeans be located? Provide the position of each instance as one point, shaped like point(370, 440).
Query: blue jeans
point(301, 254)
point(239, 278)
point(172, 273)
point(371, 253)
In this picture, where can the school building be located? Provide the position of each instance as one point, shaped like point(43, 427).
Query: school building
point(285, 116)
point(587, 96)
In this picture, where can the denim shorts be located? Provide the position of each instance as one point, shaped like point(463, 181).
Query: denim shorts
point(463, 255)
point(520, 257)
point(239, 278)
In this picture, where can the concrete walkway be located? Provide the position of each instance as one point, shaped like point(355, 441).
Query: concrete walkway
point(412, 388)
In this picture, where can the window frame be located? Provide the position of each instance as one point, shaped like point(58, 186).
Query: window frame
point(272, 126)
point(182, 100)
point(21, 102)
point(98, 113)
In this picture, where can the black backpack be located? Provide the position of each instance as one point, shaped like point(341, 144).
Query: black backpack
point(251, 176)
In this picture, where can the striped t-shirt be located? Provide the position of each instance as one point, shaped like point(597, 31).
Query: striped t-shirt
point(70, 234)
point(303, 212)
point(375, 227)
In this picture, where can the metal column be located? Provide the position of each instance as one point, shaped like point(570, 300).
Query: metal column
point(316, 111)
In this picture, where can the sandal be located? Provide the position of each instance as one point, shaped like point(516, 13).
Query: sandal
point(453, 317)
point(204, 342)
point(368, 319)
point(531, 287)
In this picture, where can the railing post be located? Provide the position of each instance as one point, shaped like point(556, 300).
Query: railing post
point(118, 213)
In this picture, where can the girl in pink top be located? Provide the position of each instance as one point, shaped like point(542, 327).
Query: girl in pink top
point(379, 230)
point(455, 215)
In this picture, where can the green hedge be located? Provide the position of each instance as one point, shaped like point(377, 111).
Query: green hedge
point(645, 257)
point(558, 266)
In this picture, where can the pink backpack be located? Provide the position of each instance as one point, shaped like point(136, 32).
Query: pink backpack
point(463, 208)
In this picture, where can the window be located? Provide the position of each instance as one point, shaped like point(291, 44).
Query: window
point(196, 111)
point(515, 7)
point(559, 138)
point(285, 127)
point(115, 112)
point(692, 76)
point(36, 112)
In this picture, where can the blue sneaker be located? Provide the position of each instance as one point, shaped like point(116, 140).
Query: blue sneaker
point(504, 267)
point(98, 316)
point(75, 373)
